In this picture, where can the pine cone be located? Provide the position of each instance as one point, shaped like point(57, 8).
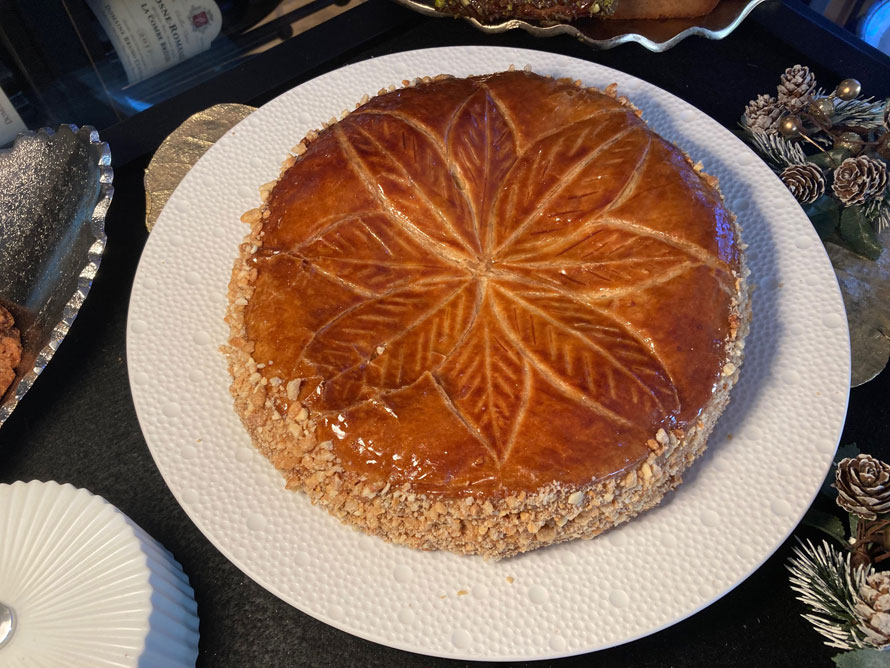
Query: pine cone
point(805, 182)
point(873, 609)
point(796, 88)
point(863, 486)
point(762, 114)
point(859, 179)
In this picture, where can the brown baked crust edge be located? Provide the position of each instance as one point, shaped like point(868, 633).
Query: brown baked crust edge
point(491, 528)
point(10, 350)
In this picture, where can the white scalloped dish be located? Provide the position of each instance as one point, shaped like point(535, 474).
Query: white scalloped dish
point(88, 587)
point(734, 509)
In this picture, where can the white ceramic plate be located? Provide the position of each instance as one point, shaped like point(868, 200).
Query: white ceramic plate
point(767, 458)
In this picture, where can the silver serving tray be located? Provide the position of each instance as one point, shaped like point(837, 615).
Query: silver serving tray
point(658, 35)
point(55, 188)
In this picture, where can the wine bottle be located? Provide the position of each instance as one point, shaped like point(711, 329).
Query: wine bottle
point(101, 61)
point(17, 111)
point(11, 122)
point(152, 36)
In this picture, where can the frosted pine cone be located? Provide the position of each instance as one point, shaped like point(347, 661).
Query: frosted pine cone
point(863, 486)
point(873, 609)
point(796, 88)
point(762, 114)
point(805, 182)
point(857, 180)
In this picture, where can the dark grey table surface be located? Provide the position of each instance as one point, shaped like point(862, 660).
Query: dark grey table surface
point(78, 424)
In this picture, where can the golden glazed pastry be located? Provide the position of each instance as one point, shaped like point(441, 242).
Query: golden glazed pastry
point(486, 314)
point(488, 11)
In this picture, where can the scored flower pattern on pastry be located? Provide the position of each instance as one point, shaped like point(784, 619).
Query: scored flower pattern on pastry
point(485, 263)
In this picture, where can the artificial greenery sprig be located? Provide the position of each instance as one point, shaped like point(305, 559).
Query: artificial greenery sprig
point(848, 597)
point(844, 139)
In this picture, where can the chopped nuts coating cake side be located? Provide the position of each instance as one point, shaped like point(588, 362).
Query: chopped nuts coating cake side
point(486, 314)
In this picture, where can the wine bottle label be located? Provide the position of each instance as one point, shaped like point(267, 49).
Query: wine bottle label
point(10, 121)
point(154, 35)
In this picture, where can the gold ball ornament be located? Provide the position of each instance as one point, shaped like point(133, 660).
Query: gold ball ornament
point(848, 140)
point(790, 127)
point(825, 105)
point(848, 89)
point(821, 112)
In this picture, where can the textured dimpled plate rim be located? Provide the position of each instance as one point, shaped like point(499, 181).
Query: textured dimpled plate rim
point(766, 460)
